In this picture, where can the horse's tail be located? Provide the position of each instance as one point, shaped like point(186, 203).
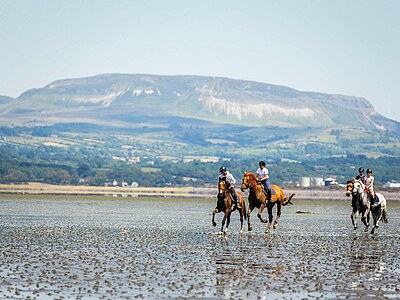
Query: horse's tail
point(288, 201)
point(385, 215)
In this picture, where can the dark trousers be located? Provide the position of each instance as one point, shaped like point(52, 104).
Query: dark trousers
point(233, 194)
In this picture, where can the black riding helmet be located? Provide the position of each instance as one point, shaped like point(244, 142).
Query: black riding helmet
point(222, 169)
point(361, 169)
point(369, 171)
point(261, 163)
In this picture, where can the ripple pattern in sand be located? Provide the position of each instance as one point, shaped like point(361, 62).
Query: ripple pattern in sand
point(113, 248)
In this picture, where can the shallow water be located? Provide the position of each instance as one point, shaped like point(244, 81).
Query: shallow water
point(56, 247)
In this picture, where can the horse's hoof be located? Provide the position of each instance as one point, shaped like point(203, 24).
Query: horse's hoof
point(366, 229)
point(267, 231)
point(241, 231)
point(214, 224)
point(275, 226)
point(355, 227)
point(250, 228)
point(220, 232)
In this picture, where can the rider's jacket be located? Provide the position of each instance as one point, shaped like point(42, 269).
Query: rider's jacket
point(362, 178)
point(228, 178)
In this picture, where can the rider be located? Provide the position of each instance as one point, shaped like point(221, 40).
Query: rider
point(263, 177)
point(361, 175)
point(230, 184)
point(369, 185)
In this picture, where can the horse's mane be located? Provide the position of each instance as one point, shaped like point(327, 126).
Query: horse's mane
point(251, 175)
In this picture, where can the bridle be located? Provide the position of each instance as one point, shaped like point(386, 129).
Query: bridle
point(222, 192)
point(356, 192)
point(246, 184)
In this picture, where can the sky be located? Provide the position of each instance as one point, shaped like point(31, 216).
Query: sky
point(349, 47)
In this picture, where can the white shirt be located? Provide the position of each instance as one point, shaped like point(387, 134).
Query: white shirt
point(229, 177)
point(261, 173)
point(368, 181)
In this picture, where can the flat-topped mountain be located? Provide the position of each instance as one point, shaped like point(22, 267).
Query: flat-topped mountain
point(120, 98)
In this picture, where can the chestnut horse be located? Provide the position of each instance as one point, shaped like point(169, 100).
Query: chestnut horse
point(225, 203)
point(257, 198)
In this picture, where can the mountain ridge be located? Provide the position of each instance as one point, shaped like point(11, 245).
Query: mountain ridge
point(215, 99)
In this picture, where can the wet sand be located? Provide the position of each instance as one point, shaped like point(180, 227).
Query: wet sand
point(70, 247)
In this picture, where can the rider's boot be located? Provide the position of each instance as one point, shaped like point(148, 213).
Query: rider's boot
point(269, 196)
point(236, 200)
point(375, 201)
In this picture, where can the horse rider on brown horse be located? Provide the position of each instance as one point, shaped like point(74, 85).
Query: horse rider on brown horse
point(263, 177)
point(230, 184)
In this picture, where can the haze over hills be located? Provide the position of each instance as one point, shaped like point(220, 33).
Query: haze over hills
point(122, 99)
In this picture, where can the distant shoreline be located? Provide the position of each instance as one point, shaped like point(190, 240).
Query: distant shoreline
point(35, 188)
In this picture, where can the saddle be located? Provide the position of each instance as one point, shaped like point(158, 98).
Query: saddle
point(374, 200)
point(273, 192)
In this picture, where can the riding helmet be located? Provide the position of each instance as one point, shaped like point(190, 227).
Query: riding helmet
point(222, 169)
point(261, 163)
point(361, 169)
point(369, 171)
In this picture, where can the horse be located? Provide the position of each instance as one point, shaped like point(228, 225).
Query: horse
point(359, 207)
point(257, 198)
point(363, 204)
point(225, 204)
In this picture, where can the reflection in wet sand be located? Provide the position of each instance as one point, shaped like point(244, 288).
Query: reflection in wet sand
point(75, 248)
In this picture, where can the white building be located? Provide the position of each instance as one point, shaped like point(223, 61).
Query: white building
point(330, 181)
point(392, 184)
point(317, 181)
point(305, 181)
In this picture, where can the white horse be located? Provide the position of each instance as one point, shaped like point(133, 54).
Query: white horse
point(363, 205)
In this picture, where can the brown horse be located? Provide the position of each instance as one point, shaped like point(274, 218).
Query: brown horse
point(225, 203)
point(257, 198)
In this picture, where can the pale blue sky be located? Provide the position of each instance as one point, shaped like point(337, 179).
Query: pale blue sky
point(337, 46)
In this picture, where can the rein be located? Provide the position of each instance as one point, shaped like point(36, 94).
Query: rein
point(360, 195)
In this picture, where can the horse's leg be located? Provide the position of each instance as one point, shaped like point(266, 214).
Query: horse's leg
point(270, 218)
point(377, 217)
point(223, 220)
point(241, 213)
point(228, 221)
point(260, 210)
point(374, 217)
point(249, 227)
point(354, 216)
point(278, 214)
point(216, 210)
point(364, 219)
